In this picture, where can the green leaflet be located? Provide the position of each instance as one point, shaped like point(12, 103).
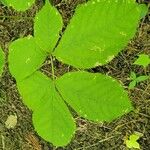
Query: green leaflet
point(144, 10)
point(132, 141)
point(2, 60)
point(25, 57)
point(132, 84)
point(143, 60)
point(132, 75)
point(142, 78)
point(33, 90)
point(51, 117)
point(48, 23)
point(19, 5)
point(98, 31)
point(87, 93)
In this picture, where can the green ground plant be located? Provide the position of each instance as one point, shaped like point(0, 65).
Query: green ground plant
point(135, 80)
point(92, 38)
point(132, 142)
point(143, 60)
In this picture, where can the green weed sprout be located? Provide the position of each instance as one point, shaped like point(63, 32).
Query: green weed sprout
point(135, 80)
point(143, 60)
point(132, 141)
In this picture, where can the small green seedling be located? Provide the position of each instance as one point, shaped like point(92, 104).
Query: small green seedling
point(143, 60)
point(132, 142)
point(88, 41)
point(136, 80)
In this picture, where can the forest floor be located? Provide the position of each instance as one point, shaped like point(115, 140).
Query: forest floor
point(89, 136)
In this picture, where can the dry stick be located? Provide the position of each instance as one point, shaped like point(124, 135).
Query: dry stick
point(4, 25)
point(3, 143)
point(49, 73)
point(121, 125)
point(106, 139)
point(17, 17)
point(142, 91)
point(146, 87)
point(143, 115)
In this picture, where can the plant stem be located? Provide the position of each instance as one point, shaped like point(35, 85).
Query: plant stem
point(52, 67)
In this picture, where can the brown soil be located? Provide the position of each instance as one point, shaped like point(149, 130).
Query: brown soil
point(89, 136)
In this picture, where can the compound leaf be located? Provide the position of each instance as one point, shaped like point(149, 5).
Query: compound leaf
point(94, 96)
point(143, 60)
point(2, 60)
point(25, 57)
point(51, 117)
point(132, 144)
point(48, 23)
point(132, 141)
point(19, 5)
point(98, 31)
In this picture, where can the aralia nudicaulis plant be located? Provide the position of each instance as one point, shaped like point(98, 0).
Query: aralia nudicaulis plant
point(97, 32)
